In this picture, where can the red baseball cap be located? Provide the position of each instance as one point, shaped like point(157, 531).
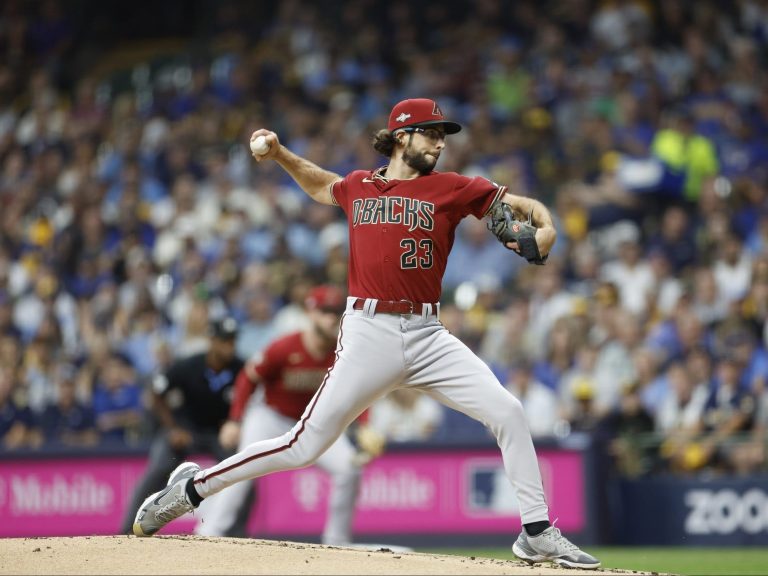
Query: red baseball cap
point(419, 112)
point(327, 297)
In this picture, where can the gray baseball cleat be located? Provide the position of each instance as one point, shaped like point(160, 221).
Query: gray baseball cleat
point(167, 504)
point(552, 546)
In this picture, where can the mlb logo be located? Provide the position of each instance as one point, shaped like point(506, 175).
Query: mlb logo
point(489, 493)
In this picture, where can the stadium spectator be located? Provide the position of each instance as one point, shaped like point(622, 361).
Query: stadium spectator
point(602, 310)
point(580, 376)
point(68, 422)
point(677, 334)
point(674, 238)
point(709, 306)
point(258, 324)
point(582, 416)
point(667, 289)
point(503, 339)
point(685, 153)
point(560, 354)
point(36, 373)
point(626, 430)
point(737, 338)
point(631, 274)
point(583, 272)
point(732, 268)
point(728, 412)
point(548, 301)
point(682, 406)
point(757, 240)
point(754, 308)
point(117, 401)
point(749, 456)
point(539, 400)
point(614, 367)
point(46, 296)
point(650, 377)
point(17, 425)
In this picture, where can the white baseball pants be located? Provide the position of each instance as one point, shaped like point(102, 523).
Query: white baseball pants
point(377, 353)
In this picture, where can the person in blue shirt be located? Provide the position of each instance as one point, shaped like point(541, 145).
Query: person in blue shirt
point(117, 400)
point(17, 427)
point(68, 422)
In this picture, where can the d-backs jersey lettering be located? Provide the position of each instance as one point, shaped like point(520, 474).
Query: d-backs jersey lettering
point(401, 231)
point(289, 373)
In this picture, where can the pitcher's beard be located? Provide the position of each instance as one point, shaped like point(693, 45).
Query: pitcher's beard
point(420, 162)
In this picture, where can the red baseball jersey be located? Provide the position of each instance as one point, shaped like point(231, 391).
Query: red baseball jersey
point(289, 373)
point(401, 231)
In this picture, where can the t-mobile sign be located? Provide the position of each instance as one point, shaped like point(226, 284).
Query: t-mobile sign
point(444, 492)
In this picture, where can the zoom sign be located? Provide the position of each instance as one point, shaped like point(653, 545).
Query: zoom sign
point(726, 511)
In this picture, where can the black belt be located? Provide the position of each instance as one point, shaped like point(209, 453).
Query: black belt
point(396, 306)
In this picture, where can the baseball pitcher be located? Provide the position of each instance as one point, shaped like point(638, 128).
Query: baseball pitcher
point(401, 220)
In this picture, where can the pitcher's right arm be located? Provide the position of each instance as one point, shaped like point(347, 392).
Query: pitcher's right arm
point(313, 179)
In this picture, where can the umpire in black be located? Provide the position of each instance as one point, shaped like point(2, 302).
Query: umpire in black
point(191, 402)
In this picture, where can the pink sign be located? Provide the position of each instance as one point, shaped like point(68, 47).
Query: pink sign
point(59, 498)
point(444, 492)
point(80, 496)
point(423, 492)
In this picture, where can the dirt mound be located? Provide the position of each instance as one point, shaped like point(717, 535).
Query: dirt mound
point(200, 555)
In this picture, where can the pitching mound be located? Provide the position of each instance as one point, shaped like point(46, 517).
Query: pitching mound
point(199, 555)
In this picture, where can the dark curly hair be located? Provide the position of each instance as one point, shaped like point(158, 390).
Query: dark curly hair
point(384, 142)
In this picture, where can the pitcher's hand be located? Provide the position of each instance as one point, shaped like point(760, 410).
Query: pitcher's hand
point(272, 141)
point(229, 435)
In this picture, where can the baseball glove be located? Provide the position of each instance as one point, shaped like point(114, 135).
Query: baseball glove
point(370, 441)
point(507, 228)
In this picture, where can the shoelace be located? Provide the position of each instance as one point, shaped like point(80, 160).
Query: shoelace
point(169, 512)
point(562, 540)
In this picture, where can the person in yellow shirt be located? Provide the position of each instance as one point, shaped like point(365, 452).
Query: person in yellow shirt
point(687, 153)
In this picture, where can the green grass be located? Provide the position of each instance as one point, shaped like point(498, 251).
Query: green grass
point(688, 561)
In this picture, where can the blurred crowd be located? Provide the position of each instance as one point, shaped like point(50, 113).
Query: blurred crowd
point(131, 214)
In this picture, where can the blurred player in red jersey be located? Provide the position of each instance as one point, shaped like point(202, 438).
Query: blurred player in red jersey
point(402, 219)
point(271, 393)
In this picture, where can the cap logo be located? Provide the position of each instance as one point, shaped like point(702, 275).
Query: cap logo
point(403, 117)
point(436, 110)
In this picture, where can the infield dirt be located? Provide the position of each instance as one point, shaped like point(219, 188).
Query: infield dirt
point(229, 556)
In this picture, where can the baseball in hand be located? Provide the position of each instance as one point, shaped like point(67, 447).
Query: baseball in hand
point(259, 145)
